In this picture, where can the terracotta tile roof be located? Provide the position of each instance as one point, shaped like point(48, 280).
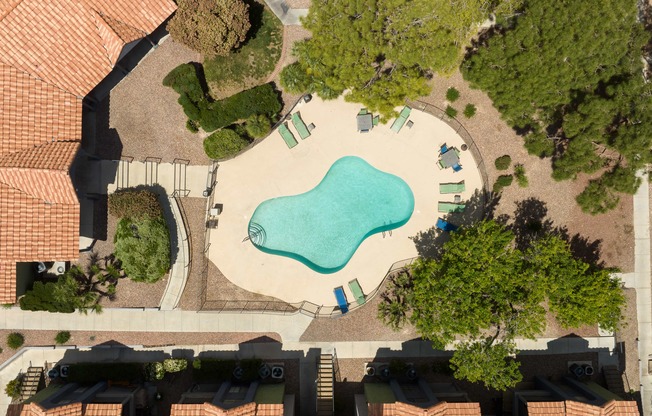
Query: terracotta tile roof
point(208, 409)
point(440, 409)
point(45, 156)
point(33, 409)
point(573, 408)
point(103, 409)
point(73, 44)
point(33, 112)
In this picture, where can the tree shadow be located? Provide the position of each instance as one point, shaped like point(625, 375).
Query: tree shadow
point(256, 10)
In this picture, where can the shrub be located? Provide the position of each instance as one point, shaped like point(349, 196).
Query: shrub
point(258, 100)
point(452, 94)
point(211, 27)
point(154, 371)
point(294, 79)
point(258, 126)
point(469, 110)
point(451, 112)
point(62, 337)
point(15, 340)
point(519, 172)
point(185, 81)
point(503, 162)
point(134, 203)
point(91, 373)
point(42, 298)
point(143, 246)
point(192, 126)
point(13, 388)
point(224, 143)
point(174, 365)
point(502, 181)
point(597, 198)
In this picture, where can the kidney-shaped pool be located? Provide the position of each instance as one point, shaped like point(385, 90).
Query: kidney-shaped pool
point(323, 227)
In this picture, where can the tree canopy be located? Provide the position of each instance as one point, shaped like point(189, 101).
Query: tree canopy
point(210, 27)
point(569, 75)
point(486, 293)
point(382, 51)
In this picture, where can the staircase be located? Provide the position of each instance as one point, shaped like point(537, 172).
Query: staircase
point(614, 380)
point(325, 385)
point(31, 381)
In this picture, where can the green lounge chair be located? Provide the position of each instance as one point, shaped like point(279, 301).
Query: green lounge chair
point(287, 135)
point(300, 126)
point(449, 207)
point(440, 164)
point(354, 285)
point(451, 188)
point(362, 112)
point(401, 119)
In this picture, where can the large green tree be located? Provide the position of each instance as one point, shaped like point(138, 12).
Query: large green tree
point(484, 292)
point(382, 51)
point(568, 74)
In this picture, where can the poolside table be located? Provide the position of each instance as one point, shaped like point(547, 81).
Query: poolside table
point(450, 158)
point(365, 122)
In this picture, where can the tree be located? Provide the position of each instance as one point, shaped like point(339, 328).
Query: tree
point(210, 27)
point(487, 292)
point(258, 126)
point(569, 75)
point(382, 51)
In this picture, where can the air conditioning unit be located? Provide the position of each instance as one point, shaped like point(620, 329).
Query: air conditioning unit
point(278, 372)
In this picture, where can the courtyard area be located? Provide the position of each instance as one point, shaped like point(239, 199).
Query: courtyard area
point(270, 169)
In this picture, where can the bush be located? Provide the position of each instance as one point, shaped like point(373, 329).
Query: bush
point(185, 81)
point(42, 298)
point(224, 143)
point(13, 388)
point(174, 365)
point(258, 126)
point(452, 94)
point(519, 172)
point(503, 162)
point(210, 27)
point(469, 110)
point(192, 126)
point(143, 246)
point(15, 340)
point(502, 181)
point(597, 198)
point(294, 79)
point(258, 100)
point(135, 204)
point(451, 112)
point(154, 371)
point(91, 373)
point(62, 337)
point(211, 369)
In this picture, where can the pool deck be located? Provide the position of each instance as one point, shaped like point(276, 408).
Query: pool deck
point(270, 170)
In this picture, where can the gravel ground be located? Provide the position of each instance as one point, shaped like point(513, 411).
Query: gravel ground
point(610, 236)
point(353, 379)
point(146, 115)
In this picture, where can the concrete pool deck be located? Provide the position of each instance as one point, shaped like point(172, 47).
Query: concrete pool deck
point(270, 170)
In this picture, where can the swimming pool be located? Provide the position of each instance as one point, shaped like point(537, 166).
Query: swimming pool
point(323, 227)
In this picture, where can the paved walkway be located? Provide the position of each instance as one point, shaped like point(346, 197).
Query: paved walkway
point(285, 14)
point(640, 280)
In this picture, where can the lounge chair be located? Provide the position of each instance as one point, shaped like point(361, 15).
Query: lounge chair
point(340, 296)
point(301, 127)
point(354, 285)
point(287, 135)
point(457, 167)
point(451, 188)
point(440, 164)
point(401, 119)
point(445, 225)
point(449, 207)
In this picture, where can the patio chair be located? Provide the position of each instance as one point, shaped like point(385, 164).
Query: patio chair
point(375, 120)
point(443, 148)
point(301, 127)
point(287, 135)
point(340, 296)
point(445, 225)
point(354, 285)
point(457, 167)
point(451, 188)
point(440, 164)
point(362, 112)
point(450, 207)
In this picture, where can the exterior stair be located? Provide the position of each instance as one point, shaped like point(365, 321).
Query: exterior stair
point(31, 382)
point(325, 384)
point(614, 380)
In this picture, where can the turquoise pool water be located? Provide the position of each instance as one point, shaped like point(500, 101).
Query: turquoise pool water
point(323, 227)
